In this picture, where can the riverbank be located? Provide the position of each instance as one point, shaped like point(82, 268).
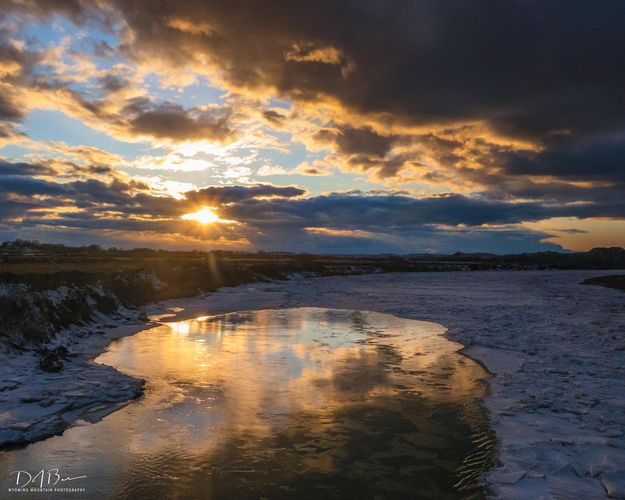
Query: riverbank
point(45, 288)
point(556, 348)
point(617, 281)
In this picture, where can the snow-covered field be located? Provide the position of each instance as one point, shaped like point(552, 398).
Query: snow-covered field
point(556, 349)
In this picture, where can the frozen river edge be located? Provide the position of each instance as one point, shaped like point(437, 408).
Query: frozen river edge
point(556, 350)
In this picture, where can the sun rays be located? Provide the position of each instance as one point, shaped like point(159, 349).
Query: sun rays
point(206, 215)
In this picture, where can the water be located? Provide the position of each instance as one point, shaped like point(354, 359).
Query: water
point(291, 403)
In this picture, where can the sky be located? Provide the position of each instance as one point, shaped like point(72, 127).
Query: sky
point(353, 126)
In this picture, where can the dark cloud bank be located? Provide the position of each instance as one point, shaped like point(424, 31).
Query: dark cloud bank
point(547, 73)
point(270, 217)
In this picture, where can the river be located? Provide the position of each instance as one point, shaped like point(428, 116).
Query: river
point(286, 403)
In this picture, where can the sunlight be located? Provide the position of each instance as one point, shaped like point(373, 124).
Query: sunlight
point(206, 215)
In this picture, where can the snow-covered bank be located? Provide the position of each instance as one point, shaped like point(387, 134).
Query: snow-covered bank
point(34, 311)
point(557, 349)
point(35, 404)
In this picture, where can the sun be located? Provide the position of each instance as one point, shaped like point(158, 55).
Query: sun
point(206, 216)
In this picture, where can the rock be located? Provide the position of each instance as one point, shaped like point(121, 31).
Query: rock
point(535, 474)
point(597, 470)
point(8, 385)
point(615, 443)
point(52, 359)
point(613, 433)
point(614, 484)
point(30, 399)
point(512, 477)
point(571, 469)
point(580, 470)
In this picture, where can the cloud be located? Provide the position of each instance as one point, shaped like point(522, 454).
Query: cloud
point(230, 194)
point(24, 169)
point(111, 98)
point(350, 140)
point(589, 160)
point(113, 83)
point(355, 211)
point(274, 117)
point(16, 63)
point(31, 197)
point(171, 121)
point(501, 62)
point(481, 99)
point(464, 71)
point(474, 70)
point(78, 11)
point(8, 109)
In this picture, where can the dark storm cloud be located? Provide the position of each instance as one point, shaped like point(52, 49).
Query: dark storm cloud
point(121, 196)
point(171, 121)
point(528, 67)
point(71, 7)
point(230, 194)
point(572, 160)
point(270, 217)
point(267, 212)
point(348, 211)
point(273, 117)
point(76, 10)
point(355, 223)
point(387, 72)
point(10, 208)
point(349, 140)
point(424, 239)
point(10, 168)
point(16, 64)
point(8, 110)
point(26, 186)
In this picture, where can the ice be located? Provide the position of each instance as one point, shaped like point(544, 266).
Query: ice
point(554, 347)
point(36, 404)
point(614, 484)
point(551, 343)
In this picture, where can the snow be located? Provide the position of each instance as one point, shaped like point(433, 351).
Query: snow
point(556, 350)
point(58, 295)
point(35, 404)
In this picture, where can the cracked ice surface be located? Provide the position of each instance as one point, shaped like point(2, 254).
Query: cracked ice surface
point(557, 349)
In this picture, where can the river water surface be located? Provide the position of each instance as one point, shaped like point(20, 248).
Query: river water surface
point(289, 403)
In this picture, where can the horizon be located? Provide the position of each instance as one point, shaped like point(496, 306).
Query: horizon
point(30, 243)
point(196, 125)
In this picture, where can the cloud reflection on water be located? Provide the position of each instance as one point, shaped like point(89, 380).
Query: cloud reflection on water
point(284, 403)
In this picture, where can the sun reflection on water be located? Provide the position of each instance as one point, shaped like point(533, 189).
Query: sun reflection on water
point(304, 399)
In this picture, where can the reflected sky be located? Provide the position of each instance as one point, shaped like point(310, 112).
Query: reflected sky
point(279, 404)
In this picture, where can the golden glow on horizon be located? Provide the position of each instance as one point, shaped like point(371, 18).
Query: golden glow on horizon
point(580, 235)
point(206, 215)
